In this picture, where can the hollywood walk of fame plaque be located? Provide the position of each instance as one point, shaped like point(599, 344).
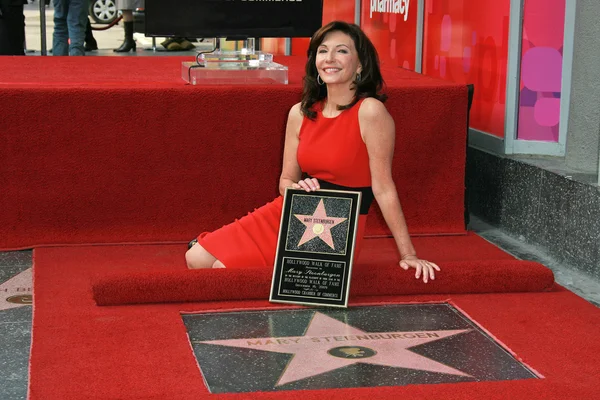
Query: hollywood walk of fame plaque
point(363, 346)
point(315, 250)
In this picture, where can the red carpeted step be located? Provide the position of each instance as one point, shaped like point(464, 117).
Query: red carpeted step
point(141, 169)
point(488, 276)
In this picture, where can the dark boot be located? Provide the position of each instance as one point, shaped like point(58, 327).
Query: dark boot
point(90, 42)
point(129, 43)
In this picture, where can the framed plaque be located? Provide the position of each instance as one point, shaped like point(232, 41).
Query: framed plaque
point(315, 249)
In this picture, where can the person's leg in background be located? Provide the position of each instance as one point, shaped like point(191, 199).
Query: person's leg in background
point(60, 37)
point(20, 24)
point(4, 35)
point(5, 46)
point(90, 41)
point(76, 22)
point(12, 28)
point(128, 42)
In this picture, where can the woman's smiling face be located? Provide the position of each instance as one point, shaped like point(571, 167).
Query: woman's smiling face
point(337, 59)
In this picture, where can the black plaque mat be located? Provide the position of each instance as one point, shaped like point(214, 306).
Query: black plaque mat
point(367, 346)
point(315, 248)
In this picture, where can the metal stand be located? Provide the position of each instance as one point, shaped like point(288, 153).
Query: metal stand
point(250, 44)
point(43, 26)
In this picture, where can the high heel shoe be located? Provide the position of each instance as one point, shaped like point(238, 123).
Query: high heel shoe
point(128, 43)
point(125, 47)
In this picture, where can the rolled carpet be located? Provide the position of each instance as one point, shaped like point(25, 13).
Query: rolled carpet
point(489, 276)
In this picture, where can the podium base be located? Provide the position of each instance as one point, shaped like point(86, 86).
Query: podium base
point(234, 74)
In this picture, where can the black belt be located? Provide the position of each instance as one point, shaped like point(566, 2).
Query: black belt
point(367, 196)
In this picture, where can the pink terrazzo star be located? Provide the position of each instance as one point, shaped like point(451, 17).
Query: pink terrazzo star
point(329, 344)
point(16, 292)
point(318, 225)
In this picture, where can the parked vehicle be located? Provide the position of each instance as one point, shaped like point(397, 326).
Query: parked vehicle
point(103, 11)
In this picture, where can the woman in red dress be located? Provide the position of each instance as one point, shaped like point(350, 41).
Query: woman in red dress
point(339, 136)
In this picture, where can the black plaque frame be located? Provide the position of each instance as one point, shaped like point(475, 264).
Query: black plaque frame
point(306, 276)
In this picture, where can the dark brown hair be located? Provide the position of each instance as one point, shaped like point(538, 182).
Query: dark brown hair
point(371, 82)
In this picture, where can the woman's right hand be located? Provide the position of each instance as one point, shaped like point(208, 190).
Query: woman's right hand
point(308, 184)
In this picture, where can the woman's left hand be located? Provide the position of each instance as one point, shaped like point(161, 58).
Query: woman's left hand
point(424, 267)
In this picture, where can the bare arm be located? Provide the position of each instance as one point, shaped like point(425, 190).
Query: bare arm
point(379, 133)
point(291, 172)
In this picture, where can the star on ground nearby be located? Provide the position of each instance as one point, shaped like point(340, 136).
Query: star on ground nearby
point(318, 225)
point(16, 292)
point(329, 344)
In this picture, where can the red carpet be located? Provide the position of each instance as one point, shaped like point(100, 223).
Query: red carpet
point(376, 274)
point(82, 351)
point(494, 276)
point(120, 150)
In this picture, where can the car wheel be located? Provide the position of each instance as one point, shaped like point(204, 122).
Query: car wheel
point(103, 11)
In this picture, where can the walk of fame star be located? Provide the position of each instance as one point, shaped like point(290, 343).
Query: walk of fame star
point(318, 225)
point(329, 344)
point(16, 292)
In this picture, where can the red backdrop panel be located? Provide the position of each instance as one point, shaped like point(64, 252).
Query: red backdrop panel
point(393, 31)
point(466, 41)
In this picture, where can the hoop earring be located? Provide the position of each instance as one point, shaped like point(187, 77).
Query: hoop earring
point(358, 77)
point(319, 80)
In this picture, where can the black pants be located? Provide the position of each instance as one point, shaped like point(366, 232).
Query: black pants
point(12, 29)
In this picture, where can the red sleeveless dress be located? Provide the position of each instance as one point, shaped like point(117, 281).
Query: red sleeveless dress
point(329, 149)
